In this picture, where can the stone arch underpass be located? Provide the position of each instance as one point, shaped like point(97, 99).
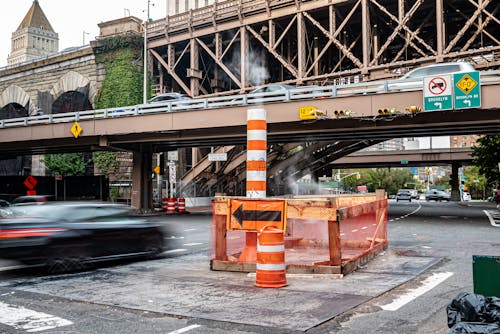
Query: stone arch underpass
point(73, 92)
point(15, 102)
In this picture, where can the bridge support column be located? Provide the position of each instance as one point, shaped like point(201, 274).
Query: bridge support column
point(455, 190)
point(142, 185)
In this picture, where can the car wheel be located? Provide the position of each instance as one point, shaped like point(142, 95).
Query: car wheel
point(63, 259)
point(409, 200)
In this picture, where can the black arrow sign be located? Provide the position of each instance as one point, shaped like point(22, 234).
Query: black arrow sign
point(271, 216)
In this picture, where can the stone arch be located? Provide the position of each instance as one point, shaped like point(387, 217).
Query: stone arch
point(14, 97)
point(74, 81)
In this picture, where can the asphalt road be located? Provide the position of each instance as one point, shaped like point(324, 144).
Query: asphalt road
point(449, 231)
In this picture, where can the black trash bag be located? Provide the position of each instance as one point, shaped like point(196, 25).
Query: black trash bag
point(467, 307)
point(474, 328)
point(492, 310)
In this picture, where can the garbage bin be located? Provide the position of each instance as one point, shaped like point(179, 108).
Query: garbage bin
point(485, 275)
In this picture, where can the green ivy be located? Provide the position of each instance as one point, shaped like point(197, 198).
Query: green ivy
point(123, 61)
point(106, 162)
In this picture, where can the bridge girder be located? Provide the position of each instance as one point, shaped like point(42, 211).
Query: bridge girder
point(239, 44)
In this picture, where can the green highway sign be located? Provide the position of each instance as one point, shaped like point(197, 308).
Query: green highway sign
point(404, 162)
point(467, 90)
point(438, 93)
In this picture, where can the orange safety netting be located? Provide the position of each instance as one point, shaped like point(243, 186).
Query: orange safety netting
point(362, 229)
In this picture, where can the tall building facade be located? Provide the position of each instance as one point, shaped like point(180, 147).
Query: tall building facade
point(181, 6)
point(34, 38)
point(460, 141)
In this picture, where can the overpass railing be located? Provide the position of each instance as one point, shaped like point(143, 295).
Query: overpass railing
point(298, 93)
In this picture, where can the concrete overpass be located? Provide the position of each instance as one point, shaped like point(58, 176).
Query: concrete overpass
point(406, 158)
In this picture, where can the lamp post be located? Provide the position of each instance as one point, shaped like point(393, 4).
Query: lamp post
point(85, 33)
point(145, 80)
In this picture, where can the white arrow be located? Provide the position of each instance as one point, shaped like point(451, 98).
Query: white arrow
point(468, 102)
point(438, 104)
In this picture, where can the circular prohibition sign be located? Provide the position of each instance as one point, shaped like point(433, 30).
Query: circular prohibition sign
point(437, 86)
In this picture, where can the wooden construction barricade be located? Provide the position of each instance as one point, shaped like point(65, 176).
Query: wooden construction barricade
point(323, 234)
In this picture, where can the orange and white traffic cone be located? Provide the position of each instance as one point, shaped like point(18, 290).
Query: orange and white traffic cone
point(271, 267)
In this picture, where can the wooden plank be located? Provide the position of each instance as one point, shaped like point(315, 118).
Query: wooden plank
point(220, 237)
point(309, 269)
point(334, 243)
point(218, 265)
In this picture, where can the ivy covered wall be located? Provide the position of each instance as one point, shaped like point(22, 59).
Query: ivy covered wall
point(123, 64)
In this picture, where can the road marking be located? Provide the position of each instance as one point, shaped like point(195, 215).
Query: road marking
point(175, 250)
point(492, 220)
point(31, 321)
point(174, 237)
point(428, 284)
point(364, 227)
point(190, 229)
point(185, 329)
point(193, 244)
point(355, 230)
point(408, 214)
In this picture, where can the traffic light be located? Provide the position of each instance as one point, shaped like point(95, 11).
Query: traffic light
point(413, 109)
point(387, 111)
point(342, 113)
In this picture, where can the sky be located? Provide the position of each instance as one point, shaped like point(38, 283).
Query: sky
point(71, 18)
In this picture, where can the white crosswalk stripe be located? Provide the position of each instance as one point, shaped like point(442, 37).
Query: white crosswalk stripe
point(31, 321)
point(493, 216)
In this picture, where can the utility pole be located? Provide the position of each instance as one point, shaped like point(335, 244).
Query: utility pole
point(145, 79)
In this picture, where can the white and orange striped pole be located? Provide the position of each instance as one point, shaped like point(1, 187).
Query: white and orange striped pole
point(256, 153)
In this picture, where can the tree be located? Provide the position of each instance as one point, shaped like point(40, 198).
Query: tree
point(486, 157)
point(66, 164)
point(385, 178)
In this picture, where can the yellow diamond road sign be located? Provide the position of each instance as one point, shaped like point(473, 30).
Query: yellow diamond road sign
point(76, 129)
point(466, 84)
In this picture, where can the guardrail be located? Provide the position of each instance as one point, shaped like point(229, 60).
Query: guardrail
point(299, 93)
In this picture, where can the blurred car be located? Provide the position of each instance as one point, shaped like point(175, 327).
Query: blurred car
point(170, 97)
point(31, 199)
point(414, 194)
point(466, 196)
point(496, 196)
point(70, 236)
point(403, 195)
point(415, 77)
point(437, 195)
point(4, 208)
point(272, 89)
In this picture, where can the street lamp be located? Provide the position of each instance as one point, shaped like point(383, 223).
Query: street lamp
point(85, 33)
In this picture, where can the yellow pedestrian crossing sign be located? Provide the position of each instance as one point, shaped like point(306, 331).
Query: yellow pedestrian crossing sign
point(76, 130)
point(466, 83)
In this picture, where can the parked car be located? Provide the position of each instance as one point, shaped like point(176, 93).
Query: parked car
point(437, 195)
point(71, 235)
point(170, 97)
point(415, 77)
point(403, 195)
point(272, 88)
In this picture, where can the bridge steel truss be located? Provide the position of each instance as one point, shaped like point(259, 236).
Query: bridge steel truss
point(235, 45)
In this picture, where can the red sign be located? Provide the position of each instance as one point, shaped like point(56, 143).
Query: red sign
point(58, 177)
point(31, 192)
point(30, 182)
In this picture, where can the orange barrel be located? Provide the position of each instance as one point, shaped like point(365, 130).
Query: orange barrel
point(271, 267)
point(170, 205)
point(181, 205)
point(164, 204)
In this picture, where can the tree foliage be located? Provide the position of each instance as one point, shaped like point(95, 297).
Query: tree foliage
point(66, 164)
point(486, 157)
point(390, 179)
point(106, 162)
